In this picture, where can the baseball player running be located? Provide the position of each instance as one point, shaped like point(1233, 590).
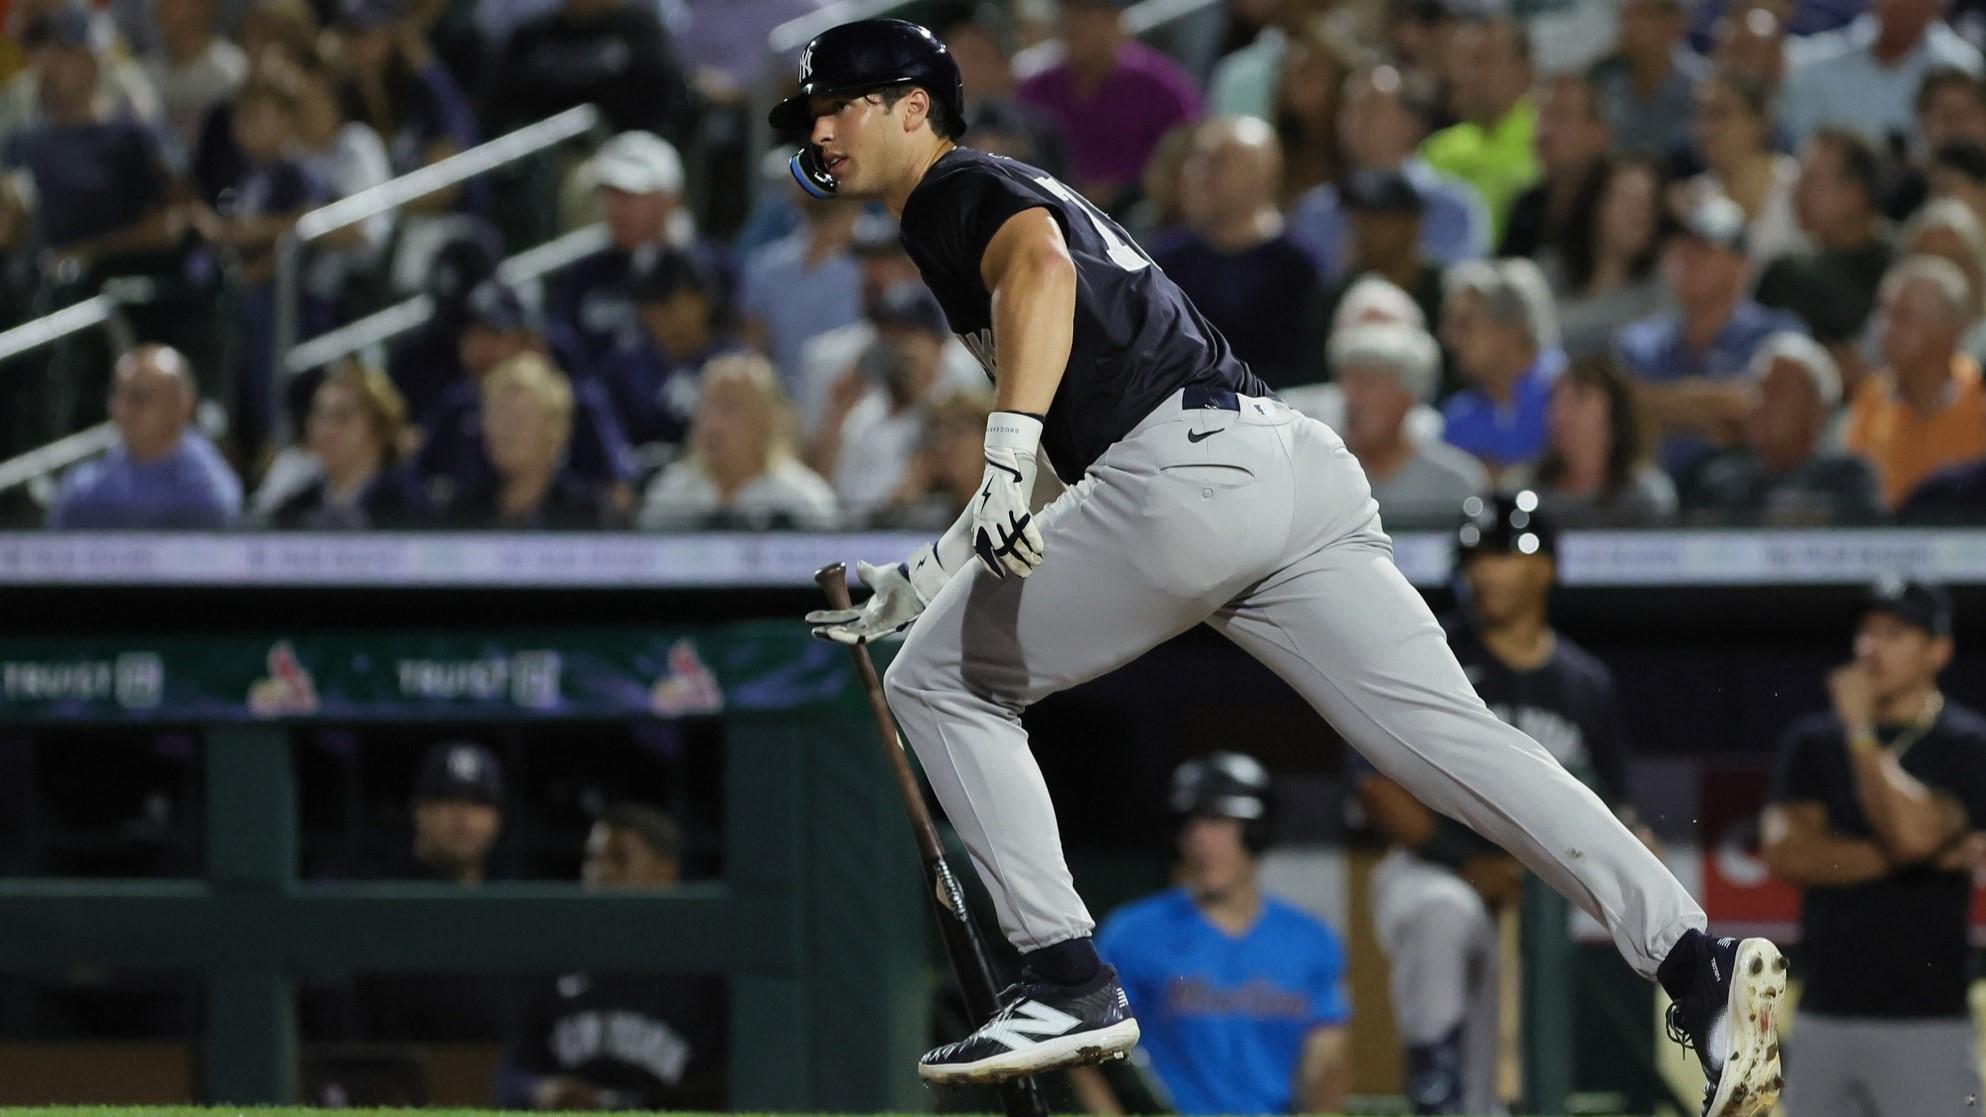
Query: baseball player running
point(1194, 496)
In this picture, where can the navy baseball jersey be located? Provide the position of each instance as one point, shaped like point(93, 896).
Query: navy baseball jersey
point(1917, 912)
point(1566, 704)
point(655, 1041)
point(1137, 338)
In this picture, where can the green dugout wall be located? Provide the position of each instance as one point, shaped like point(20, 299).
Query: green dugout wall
point(819, 925)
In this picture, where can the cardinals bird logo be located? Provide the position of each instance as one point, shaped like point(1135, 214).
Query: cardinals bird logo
point(288, 689)
point(688, 688)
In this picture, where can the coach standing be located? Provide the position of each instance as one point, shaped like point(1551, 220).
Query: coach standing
point(1873, 811)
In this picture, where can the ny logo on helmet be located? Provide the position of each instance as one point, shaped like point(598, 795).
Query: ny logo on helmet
point(807, 64)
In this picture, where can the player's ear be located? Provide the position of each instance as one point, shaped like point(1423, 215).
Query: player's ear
point(1941, 653)
point(916, 108)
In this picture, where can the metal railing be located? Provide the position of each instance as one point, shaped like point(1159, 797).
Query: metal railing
point(100, 309)
point(410, 187)
point(56, 456)
point(397, 319)
point(532, 263)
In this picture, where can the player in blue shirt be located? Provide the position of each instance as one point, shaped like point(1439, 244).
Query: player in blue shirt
point(1240, 995)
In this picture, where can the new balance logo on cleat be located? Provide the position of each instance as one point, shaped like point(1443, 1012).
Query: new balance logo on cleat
point(1030, 1019)
point(1042, 1027)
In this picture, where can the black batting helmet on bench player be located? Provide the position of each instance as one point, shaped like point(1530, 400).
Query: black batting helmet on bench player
point(862, 57)
point(1225, 785)
point(1510, 524)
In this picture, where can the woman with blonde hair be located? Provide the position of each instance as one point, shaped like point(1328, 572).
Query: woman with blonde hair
point(355, 434)
point(527, 424)
point(741, 469)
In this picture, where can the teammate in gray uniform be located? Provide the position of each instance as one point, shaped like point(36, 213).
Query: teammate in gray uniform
point(1437, 893)
point(1194, 496)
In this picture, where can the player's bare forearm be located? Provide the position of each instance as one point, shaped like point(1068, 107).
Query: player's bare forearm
point(1802, 850)
point(1395, 813)
point(1324, 1075)
point(1911, 821)
point(1033, 283)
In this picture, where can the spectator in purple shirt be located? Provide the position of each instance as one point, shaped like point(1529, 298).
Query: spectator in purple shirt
point(1113, 96)
point(161, 475)
point(1236, 261)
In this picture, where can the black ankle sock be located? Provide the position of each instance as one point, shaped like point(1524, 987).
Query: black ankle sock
point(1678, 971)
point(1073, 962)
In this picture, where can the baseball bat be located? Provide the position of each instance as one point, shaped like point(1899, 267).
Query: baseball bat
point(1019, 1097)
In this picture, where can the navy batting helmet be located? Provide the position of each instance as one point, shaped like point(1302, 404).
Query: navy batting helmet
point(1508, 525)
point(859, 57)
point(1225, 785)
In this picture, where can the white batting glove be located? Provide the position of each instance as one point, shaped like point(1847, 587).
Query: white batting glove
point(1004, 534)
point(901, 592)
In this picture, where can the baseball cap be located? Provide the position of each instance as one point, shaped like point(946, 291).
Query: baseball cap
point(1716, 220)
point(911, 306)
point(637, 163)
point(495, 305)
point(1506, 524)
point(68, 26)
point(662, 274)
point(1924, 604)
point(460, 770)
point(1380, 192)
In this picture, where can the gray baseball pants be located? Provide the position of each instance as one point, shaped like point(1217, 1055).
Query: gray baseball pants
point(1440, 940)
point(1845, 1067)
point(1258, 521)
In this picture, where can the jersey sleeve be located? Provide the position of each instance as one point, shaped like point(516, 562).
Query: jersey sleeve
point(961, 219)
point(1796, 770)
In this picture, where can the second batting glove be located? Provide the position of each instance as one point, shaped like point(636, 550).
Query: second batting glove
point(900, 593)
point(1004, 533)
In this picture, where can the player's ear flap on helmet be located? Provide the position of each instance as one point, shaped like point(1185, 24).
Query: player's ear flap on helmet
point(811, 172)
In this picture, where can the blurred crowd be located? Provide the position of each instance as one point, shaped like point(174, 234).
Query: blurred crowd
point(1720, 261)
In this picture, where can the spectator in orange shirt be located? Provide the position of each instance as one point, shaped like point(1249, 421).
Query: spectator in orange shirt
point(1926, 409)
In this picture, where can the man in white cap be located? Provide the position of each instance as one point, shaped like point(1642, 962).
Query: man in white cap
point(639, 178)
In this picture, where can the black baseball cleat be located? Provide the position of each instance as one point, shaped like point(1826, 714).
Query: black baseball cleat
point(1728, 1018)
point(1042, 1027)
